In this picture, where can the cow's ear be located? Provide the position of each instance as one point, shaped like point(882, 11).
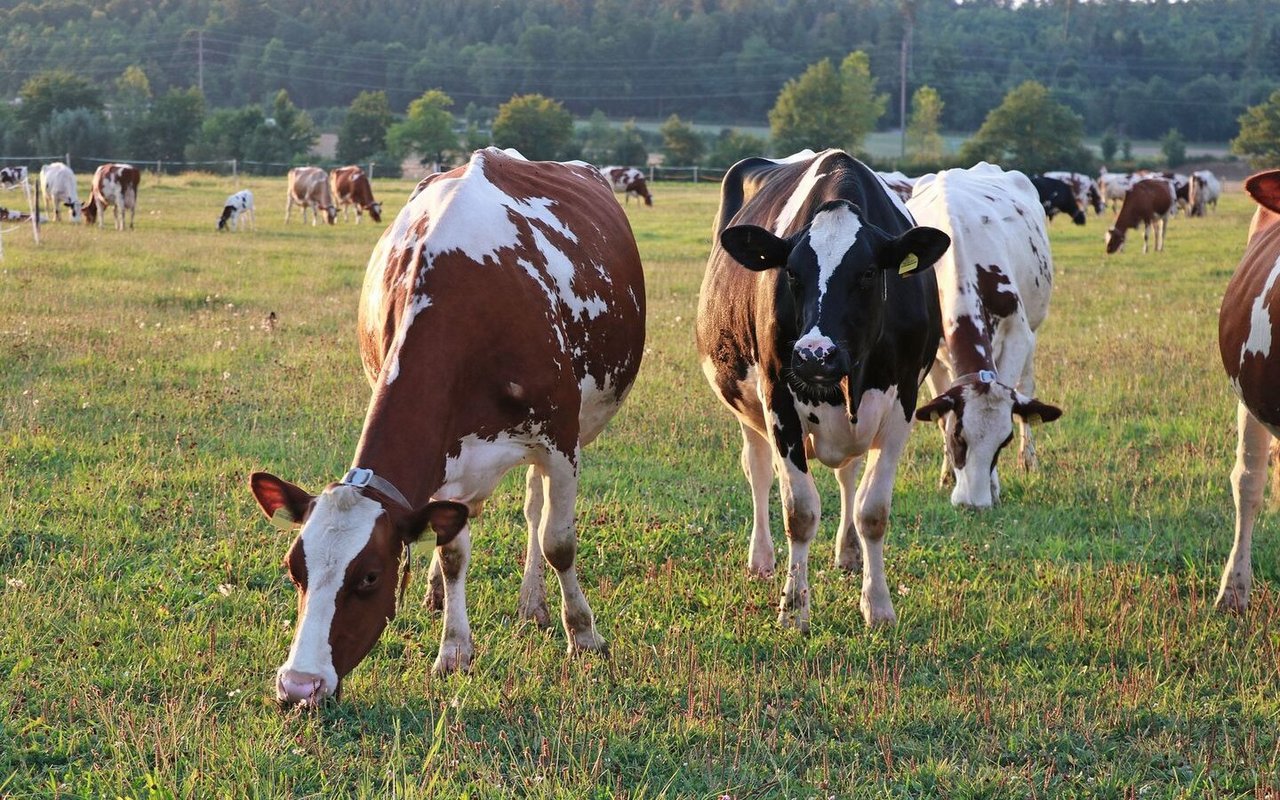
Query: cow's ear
point(1033, 412)
point(1264, 188)
point(445, 517)
point(933, 410)
point(917, 249)
point(754, 247)
point(283, 503)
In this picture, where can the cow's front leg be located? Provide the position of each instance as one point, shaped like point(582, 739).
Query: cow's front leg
point(801, 510)
point(455, 642)
point(874, 501)
point(939, 380)
point(1248, 479)
point(848, 551)
point(559, 541)
point(533, 587)
point(757, 465)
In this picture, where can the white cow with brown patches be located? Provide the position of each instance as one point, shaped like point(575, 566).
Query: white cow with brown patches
point(309, 188)
point(501, 325)
point(993, 286)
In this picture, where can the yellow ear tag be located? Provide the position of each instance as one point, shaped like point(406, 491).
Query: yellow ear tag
point(282, 519)
point(909, 263)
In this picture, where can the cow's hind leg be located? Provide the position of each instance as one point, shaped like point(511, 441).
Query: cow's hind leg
point(874, 500)
point(533, 587)
point(559, 541)
point(848, 552)
point(757, 465)
point(456, 648)
point(1248, 479)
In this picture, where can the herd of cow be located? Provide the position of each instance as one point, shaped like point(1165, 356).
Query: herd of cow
point(827, 301)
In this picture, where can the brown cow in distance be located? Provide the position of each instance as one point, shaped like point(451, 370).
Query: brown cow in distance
point(114, 185)
point(309, 188)
point(501, 324)
point(629, 181)
point(1150, 202)
point(1247, 342)
point(350, 187)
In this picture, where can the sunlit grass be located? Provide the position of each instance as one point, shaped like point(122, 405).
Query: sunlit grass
point(1061, 645)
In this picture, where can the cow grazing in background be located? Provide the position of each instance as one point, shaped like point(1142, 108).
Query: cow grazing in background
point(350, 187)
point(1247, 342)
point(1204, 191)
point(58, 183)
point(1114, 186)
point(1181, 189)
point(817, 320)
point(1149, 203)
point(629, 181)
point(12, 176)
point(114, 185)
point(1054, 196)
point(541, 252)
point(10, 215)
point(898, 183)
point(237, 206)
point(994, 285)
point(1085, 189)
point(309, 188)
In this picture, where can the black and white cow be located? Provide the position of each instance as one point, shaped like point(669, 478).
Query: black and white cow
point(12, 176)
point(1055, 196)
point(994, 286)
point(817, 321)
point(1085, 188)
point(237, 206)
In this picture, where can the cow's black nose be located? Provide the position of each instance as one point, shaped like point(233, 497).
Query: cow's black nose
point(817, 363)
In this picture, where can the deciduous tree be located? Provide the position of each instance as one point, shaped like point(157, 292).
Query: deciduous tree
point(427, 129)
point(1031, 132)
point(539, 127)
point(1259, 138)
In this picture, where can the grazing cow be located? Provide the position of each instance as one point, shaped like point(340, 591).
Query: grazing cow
point(1055, 196)
point(12, 176)
point(238, 205)
point(817, 321)
point(1085, 189)
point(114, 185)
point(350, 187)
point(10, 215)
point(1150, 202)
point(629, 181)
point(1114, 185)
point(309, 188)
point(540, 253)
point(993, 286)
point(58, 183)
point(1246, 338)
point(898, 183)
point(1181, 189)
point(1204, 191)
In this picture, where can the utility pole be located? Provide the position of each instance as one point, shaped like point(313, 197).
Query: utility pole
point(908, 22)
point(200, 60)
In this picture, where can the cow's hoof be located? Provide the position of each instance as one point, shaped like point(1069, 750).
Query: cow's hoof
point(761, 565)
point(535, 611)
point(588, 642)
point(453, 657)
point(794, 619)
point(850, 562)
point(877, 614)
point(1231, 600)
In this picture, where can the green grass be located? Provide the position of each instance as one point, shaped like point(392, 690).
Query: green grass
point(1062, 645)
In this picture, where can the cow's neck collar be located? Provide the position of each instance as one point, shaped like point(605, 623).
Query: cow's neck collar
point(362, 478)
point(980, 376)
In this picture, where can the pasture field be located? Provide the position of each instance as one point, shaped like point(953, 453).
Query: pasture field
point(1062, 645)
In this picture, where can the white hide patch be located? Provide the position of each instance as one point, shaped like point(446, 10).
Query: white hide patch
point(815, 340)
point(340, 526)
point(471, 476)
point(1259, 341)
point(599, 404)
point(787, 217)
point(831, 234)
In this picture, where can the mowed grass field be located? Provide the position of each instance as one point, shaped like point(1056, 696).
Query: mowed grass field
point(1061, 645)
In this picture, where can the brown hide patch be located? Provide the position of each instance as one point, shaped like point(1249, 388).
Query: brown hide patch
point(969, 344)
point(996, 290)
point(1257, 375)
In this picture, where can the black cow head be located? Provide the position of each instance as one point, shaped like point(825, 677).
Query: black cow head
point(835, 289)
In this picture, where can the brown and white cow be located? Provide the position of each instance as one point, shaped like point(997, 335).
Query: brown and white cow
point(1149, 202)
point(309, 188)
point(1247, 339)
point(817, 320)
point(350, 187)
point(993, 287)
point(629, 181)
point(899, 183)
point(501, 324)
point(114, 185)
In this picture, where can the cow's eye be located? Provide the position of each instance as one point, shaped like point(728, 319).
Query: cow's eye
point(368, 582)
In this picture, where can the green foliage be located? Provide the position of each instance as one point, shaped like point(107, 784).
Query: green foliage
point(171, 123)
point(249, 134)
point(539, 127)
point(57, 90)
point(1107, 146)
point(78, 131)
point(629, 146)
point(1259, 138)
point(364, 129)
point(1174, 148)
point(130, 105)
point(681, 144)
point(826, 107)
point(427, 129)
point(924, 137)
point(1031, 132)
point(733, 145)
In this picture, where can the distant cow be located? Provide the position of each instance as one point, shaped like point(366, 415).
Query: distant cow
point(309, 188)
point(1204, 191)
point(1247, 341)
point(994, 285)
point(12, 176)
point(501, 324)
point(898, 183)
point(237, 206)
point(817, 320)
point(629, 181)
point(1054, 196)
point(350, 187)
point(1149, 203)
point(1085, 189)
point(1181, 189)
point(114, 185)
point(10, 215)
point(1114, 185)
point(58, 183)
